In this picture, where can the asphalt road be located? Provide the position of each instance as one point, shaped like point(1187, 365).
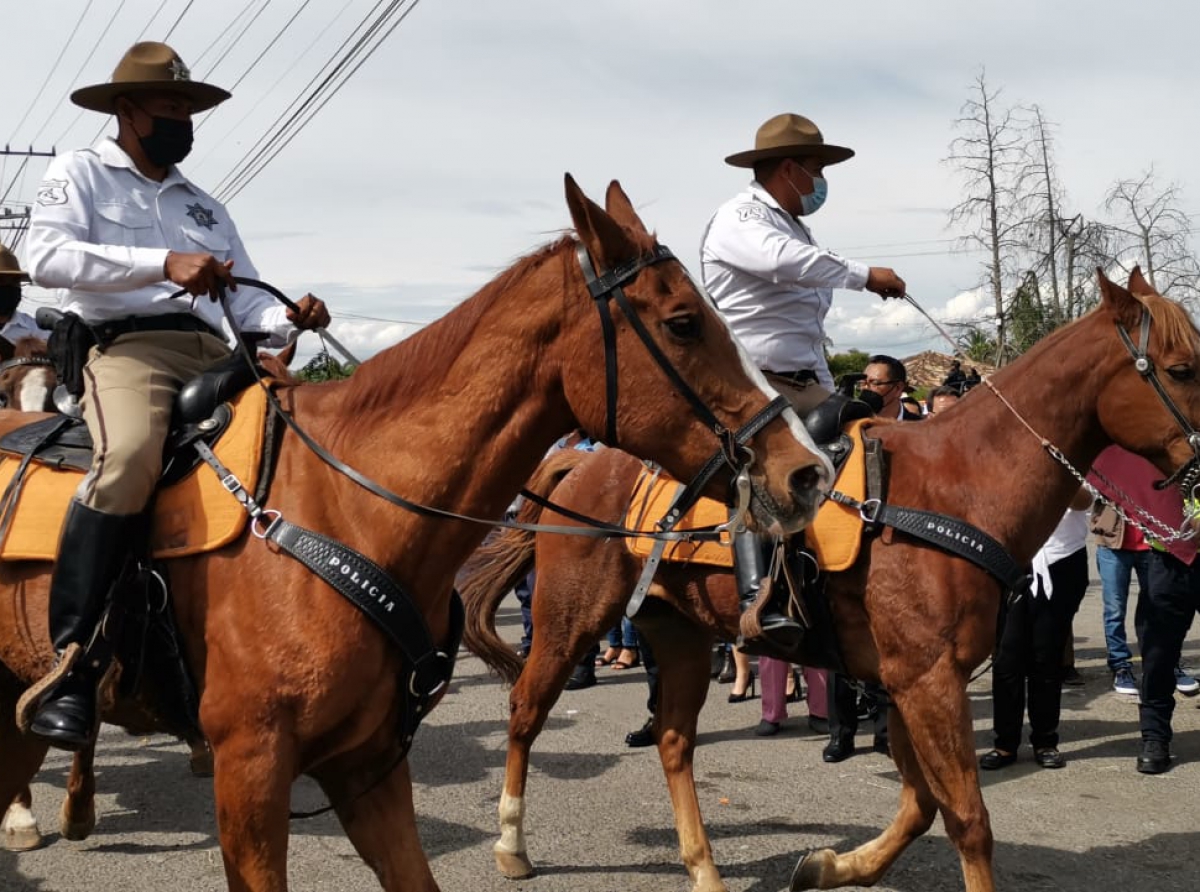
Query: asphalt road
point(599, 819)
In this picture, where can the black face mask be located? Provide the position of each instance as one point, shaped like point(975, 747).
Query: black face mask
point(169, 141)
point(10, 296)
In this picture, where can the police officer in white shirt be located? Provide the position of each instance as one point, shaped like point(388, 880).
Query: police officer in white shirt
point(774, 285)
point(121, 229)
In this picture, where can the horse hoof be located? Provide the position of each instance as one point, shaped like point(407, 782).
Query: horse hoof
point(76, 831)
point(201, 763)
point(810, 870)
point(514, 865)
point(22, 839)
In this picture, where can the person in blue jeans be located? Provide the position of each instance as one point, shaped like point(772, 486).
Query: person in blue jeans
point(1121, 553)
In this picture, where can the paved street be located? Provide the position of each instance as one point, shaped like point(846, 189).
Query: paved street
point(599, 818)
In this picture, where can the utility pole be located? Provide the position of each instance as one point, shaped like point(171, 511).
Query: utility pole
point(28, 153)
point(18, 220)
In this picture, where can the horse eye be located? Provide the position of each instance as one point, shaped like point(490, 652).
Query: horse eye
point(1182, 372)
point(684, 328)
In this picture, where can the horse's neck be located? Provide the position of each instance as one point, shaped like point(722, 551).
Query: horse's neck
point(463, 437)
point(987, 461)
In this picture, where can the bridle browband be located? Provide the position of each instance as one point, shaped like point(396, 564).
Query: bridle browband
point(1145, 368)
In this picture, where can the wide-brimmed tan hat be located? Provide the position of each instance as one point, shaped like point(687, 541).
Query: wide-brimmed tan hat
point(149, 66)
point(10, 271)
point(789, 136)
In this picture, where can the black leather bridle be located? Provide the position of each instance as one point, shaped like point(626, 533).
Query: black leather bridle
point(732, 450)
point(1189, 470)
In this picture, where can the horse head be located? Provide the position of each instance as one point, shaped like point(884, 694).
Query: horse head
point(1151, 401)
point(27, 376)
point(648, 410)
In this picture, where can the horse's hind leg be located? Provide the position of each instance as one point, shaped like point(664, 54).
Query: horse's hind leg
point(681, 650)
point(382, 826)
point(560, 639)
point(77, 819)
point(20, 827)
point(826, 869)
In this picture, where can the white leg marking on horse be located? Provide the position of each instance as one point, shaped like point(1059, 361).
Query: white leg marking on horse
point(34, 394)
point(20, 829)
point(512, 824)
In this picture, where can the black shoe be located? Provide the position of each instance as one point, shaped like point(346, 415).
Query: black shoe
point(767, 729)
point(839, 749)
point(881, 746)
point(67, 717)
point(643, 736)
point(582, 677)
point(1155, 757)
point(797, 693)
point(994, 759)
point(747, 693)
point(781, 637)
point(818, 725)
point(728, 670)
point(1050, 758)
point(1071, 677)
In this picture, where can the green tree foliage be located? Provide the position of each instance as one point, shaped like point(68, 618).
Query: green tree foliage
point(846, 363)
point(324, 367)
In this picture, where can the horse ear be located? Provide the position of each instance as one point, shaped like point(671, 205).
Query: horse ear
point(604, 238)
point(1124, 307)
point(621, 208)
point(6, 350)
point(1138, 283)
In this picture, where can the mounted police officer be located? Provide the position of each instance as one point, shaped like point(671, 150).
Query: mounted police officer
point(14, 324)
point(774, 285)
point(121, 229)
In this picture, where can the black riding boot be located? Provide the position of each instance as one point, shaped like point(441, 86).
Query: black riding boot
point(751, 561)
point(92, 552)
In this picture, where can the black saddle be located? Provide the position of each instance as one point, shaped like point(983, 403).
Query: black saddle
point(825, 423)
point(200, 413)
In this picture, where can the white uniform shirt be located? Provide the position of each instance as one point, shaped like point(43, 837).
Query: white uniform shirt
point(772, 282)
point(22, 325)
point(102, 231)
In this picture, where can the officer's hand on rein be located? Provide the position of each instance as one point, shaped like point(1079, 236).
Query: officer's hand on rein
point(199, 273)
point(884, 282)
point(310, 313)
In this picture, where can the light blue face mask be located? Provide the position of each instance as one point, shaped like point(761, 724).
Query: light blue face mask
point(811, 203)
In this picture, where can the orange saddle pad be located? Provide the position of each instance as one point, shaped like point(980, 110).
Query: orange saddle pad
point(196, 514)
point(652, 497)
point(835, 536)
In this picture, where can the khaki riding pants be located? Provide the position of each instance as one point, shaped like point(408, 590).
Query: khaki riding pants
point(129, 392)
point(803, 395)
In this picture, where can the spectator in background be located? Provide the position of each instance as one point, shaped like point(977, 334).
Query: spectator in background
point(1027, 670)
point(955, 377)
point(941, 398)
point(887, 378)
point(973, 378)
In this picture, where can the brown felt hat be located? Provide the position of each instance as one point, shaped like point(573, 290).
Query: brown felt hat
point(789, 136)
point(10, 271)
point(149, 66)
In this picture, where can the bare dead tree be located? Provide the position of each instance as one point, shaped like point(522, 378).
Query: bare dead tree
point(989, 154)
point(1041, 199)
point(1151, 229)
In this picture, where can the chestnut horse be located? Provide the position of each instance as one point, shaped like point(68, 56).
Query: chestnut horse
point(907, 614)
point(19, 831)
point(294, 679)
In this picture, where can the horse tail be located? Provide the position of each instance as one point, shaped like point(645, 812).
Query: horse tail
point(503, 560)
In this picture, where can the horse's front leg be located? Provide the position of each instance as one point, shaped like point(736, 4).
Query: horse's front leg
point(20, 829)
point(681, 650)
point(77, 818)
point(253, 770)
point(382, 825)
point(826, 869)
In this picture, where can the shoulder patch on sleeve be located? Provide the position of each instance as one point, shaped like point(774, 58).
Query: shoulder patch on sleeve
point(52, 192)
point(751, 210)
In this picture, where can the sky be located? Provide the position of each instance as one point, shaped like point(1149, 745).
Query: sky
point(441, 161)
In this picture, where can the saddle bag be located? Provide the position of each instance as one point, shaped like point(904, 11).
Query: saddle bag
point(68, 346)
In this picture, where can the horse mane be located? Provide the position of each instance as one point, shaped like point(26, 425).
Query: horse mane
point(394, 376)
point(1174, 324)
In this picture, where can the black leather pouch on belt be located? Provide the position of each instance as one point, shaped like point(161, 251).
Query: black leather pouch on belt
point(68, 346)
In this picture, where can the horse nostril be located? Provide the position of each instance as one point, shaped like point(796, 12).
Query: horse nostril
point(804, 480)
